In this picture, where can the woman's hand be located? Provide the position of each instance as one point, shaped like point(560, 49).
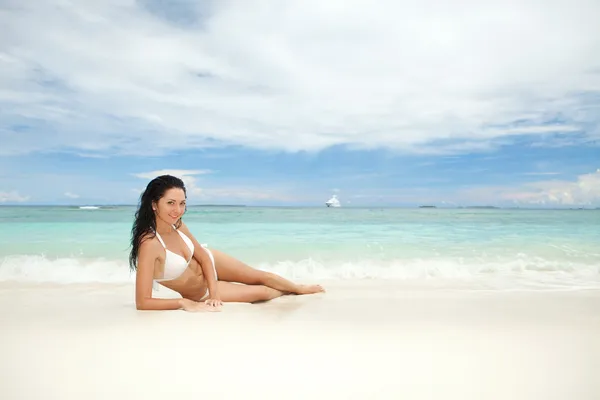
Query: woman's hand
point(194, 306)
point(214, 302)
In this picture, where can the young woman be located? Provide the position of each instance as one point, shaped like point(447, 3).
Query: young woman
point(165, 251)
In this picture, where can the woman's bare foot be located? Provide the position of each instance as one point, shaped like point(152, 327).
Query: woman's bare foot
point(309, 289)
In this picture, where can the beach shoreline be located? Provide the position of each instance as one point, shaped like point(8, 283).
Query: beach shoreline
point(358, 339)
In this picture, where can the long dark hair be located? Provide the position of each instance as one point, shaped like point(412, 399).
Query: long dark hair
point(145, 222)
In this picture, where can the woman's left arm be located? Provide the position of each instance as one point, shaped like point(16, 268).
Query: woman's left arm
point(203, 258)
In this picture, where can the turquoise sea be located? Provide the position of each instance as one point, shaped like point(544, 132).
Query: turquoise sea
point(489, 248)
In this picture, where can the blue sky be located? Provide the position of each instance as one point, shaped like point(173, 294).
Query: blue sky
point(271, 103)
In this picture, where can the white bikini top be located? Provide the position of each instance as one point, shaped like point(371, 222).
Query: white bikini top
point(175, 264)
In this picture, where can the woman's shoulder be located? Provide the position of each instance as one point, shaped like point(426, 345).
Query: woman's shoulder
point(149, 242)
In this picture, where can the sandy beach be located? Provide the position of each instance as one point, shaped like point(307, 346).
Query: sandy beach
point(384, 340)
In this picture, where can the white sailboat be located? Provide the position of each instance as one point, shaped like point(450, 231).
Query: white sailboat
point(333, 202)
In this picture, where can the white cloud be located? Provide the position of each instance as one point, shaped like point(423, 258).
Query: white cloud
point(297, 75)
point(222, 194)
point(585, 190)
point(542, 129)
point(186, 175)
point(71, 195)
point(12, 197)
point(175, 172)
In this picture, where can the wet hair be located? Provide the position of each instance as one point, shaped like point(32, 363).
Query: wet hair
point(144, 224)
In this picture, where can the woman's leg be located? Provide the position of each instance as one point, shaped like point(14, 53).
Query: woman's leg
point(232, 270)
point(239, 293)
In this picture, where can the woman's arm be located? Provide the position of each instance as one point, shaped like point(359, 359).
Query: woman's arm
point(148, 253)
point(203, 258)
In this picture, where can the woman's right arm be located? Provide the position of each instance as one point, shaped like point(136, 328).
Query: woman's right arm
point(147, 255)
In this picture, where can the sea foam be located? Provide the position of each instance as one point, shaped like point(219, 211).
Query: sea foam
point(518, 272)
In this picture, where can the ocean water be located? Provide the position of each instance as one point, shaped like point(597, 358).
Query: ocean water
point(456, 248)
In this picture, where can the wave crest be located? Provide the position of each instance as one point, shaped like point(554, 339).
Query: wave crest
point(513, 272)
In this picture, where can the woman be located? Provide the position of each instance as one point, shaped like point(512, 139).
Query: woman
point(165, 251)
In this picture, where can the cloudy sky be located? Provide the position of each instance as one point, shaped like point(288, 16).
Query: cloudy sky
point(285, 103)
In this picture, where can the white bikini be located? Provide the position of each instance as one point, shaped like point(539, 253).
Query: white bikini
point(175, 265)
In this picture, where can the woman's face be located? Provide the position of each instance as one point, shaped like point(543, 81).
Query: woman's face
point(171, 206)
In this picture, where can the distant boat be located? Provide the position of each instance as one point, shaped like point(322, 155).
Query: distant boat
point(89, 208)
point(333, 202)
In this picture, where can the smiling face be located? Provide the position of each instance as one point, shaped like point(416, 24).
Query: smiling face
point(171, 206)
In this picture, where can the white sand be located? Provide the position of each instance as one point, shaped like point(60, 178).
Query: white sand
point(373, 340)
